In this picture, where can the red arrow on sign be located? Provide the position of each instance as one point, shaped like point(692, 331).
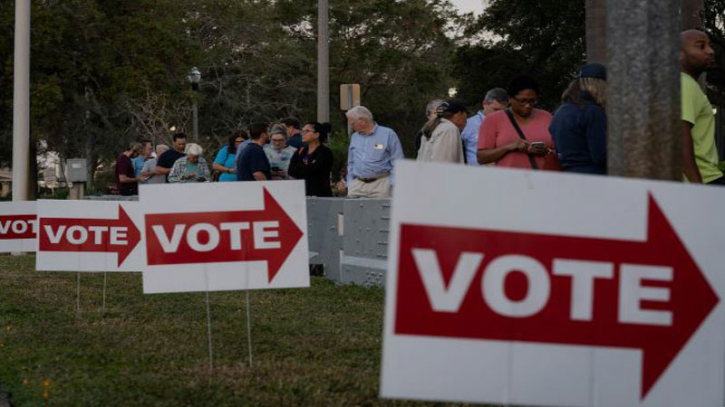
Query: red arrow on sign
point(563, 290)
point(268, 234)
point(90, 235)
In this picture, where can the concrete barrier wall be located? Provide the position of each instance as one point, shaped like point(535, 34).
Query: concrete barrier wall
point(349, 237)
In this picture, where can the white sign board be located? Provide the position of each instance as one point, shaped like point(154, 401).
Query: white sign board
point(551, 289)
point(225, 236)
point(89, 236)
point(18, 227)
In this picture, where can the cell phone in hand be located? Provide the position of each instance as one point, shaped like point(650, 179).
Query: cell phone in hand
point(538, 144)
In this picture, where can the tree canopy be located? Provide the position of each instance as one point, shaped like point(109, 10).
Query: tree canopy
point(107, 72)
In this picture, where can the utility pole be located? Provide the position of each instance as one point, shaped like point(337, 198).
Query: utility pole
point(596, 30)
point(21, 101)
point(643, 91)
point(323, 62)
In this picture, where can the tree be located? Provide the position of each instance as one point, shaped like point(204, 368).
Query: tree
point(107, 72)
point(544, 39)
point(89, 58)
point(691, 13)
point(714, 21)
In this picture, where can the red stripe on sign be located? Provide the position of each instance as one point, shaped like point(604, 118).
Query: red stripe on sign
point(513, 286)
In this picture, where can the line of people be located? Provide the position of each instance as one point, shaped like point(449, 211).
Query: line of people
point(260, 153)
point(508, 131)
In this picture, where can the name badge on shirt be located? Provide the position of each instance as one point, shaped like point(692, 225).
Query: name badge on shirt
point(379, 146)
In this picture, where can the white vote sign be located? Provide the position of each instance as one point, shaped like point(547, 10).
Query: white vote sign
point(89, 236)
point(534, 288)
point(18, 227)
point(225, 236)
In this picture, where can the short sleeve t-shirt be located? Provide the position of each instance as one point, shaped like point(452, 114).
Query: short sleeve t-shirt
point(138, 165)
point(125, 166)
point(226, 158)
point(168, 158)
point(497, 131)
point(696, 110)
point(150, 166)
point(253, 159)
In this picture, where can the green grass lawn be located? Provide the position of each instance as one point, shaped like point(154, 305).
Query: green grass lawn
point(317, 346)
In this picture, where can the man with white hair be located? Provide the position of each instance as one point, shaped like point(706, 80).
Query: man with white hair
point(371, 157)
point(149, 167)
point(192, 167)
point(496, 99)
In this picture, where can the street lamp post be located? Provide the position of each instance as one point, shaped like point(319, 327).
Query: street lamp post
point(21, 102)
point(194, 79)
point(323, 62)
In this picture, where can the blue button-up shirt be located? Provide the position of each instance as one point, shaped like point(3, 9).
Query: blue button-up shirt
point(470, 137)
point(138, 165)
point(374, 154)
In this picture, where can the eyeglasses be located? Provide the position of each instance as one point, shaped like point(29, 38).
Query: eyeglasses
point(524, 102)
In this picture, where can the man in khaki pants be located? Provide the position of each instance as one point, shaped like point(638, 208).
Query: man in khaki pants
point(371, 157)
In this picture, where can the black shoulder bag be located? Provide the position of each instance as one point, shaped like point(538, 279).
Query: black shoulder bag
point(532, 160)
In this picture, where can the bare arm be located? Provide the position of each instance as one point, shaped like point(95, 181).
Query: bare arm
point(492, 155)
point(221, 168)
point(691, 171)
point(124, 179)
point(162, 170)
point(259, 176)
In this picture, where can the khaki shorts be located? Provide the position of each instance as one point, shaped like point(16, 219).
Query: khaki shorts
point(376, 189)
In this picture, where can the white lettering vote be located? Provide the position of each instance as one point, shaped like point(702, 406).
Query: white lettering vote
point(494, 279)
point(79, 235)
point(632, 293)
point(265, 236)
point(446, 299)
point(582, 274)
point(193, 237)
point(18, 227)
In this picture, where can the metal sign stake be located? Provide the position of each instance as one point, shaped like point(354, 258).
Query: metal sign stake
point(78, 295)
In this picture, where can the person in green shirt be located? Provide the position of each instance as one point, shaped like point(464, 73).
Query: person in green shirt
point(701, 158)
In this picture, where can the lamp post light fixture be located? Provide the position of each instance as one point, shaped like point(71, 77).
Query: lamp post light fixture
point(194, 79)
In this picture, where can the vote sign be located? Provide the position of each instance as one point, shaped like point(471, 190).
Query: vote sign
point(225, 236)
point(89, 236)
point(18, 227)
point(550, 289)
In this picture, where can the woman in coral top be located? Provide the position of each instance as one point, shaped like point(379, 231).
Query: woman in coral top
point(500, 143)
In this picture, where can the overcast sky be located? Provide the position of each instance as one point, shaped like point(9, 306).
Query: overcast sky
point(469, 5)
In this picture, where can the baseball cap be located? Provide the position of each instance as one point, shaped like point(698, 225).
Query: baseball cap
point(451, 106)
point(593, 70)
